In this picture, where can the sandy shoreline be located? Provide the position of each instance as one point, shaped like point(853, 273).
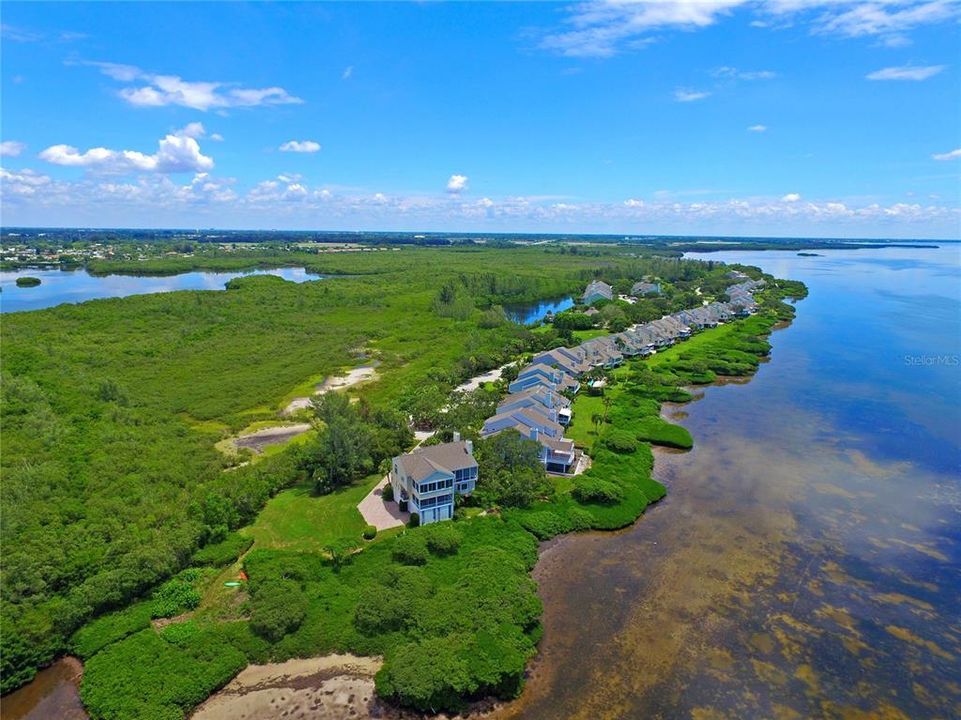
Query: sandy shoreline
point(337, 687)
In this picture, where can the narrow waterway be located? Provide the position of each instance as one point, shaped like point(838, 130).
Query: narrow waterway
point(52, 694)
point(807, 559)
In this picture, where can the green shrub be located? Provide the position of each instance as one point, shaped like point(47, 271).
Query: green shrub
point(544, 524)
point(414, 520)
point(145, 677)
point(589, 489)
point(579, 519)
point(620, 441)
point(277, 609)
point(106, 629)
point(179, 633)
point(223, 553)
point(388, 493)
point(393, 605)
point(410, 549)
point(442, 538)
point(660, 432)
point(370, 532)
point(176, 596)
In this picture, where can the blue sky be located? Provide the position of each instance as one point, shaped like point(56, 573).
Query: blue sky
point(719, 117)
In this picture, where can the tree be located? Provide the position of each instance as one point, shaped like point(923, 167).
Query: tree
point(277, 608)
point(341, 553)
point(597, 419)
point(510, 472)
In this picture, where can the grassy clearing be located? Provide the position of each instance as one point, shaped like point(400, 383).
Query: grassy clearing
point(296, 520)
point(582, 335)
point(585, 407)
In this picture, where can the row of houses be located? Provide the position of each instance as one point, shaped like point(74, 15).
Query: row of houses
point(538, 405)
point(646, 338)
point(599, 290)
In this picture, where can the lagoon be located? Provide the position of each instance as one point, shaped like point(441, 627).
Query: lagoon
point(528, 313)
point(805, 562)
point(74, 286)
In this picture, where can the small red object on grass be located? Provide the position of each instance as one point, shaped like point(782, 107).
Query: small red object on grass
point(243, 576)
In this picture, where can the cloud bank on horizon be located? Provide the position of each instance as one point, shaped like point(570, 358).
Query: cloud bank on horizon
point(613, 116)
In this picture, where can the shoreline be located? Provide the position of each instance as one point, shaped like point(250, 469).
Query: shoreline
point(623, 514)
point(543, 572)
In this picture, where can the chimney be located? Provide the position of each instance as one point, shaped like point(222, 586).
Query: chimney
point(470, 446)
point(456, 436)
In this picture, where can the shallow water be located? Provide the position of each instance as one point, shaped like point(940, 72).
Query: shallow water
point(51, 694)
point(807, 559)
point(73, 286)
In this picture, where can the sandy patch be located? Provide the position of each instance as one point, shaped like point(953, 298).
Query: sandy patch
point(260, 439)
point(478, 380)
point(334, 686)
point(357, 376)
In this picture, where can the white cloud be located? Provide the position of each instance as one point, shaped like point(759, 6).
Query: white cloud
point(24, 182)
point(11, 148)
point(300, 146)
point(730, 73)
point(892, 17)
point(193, 130)
point(951, 155)
point(605, 27)
point(757, 128)
point(906, 72)
point(601, 29)
point(895, 41)
point(457, 183)
point(29, 198)
point(791, 198)
point(162, 90)
point(217, 137)
point(686, 95)
point(177, 152)
point(348, 71)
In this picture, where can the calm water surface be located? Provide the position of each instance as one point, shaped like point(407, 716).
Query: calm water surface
point(58, 286)
point(526, 314)
point(807, 560)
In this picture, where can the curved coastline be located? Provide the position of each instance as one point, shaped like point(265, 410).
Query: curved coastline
point(635, 463)
point(545, 571)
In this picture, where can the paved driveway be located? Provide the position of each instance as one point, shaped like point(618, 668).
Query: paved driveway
point(380, 513)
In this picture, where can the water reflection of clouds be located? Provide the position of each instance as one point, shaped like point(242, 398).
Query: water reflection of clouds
point(59, 287)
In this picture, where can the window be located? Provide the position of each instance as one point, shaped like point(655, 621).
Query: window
point(429, 487)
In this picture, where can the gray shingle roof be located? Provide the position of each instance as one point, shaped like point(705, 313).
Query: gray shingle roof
point(423, 462)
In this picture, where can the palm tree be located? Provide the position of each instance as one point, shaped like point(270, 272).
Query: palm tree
point(598, 420)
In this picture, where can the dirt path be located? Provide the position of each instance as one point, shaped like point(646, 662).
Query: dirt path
point(477, 381)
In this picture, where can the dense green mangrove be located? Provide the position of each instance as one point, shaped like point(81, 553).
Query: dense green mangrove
point(125, 513)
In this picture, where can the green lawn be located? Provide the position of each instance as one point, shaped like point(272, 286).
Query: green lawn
point(583, 335)
point(295, 519)
point(581, 429)
point(705, 337)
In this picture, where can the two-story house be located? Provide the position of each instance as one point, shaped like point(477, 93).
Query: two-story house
point(428, 479)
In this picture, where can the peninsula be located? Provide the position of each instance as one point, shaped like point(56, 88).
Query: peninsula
point(264, 556)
